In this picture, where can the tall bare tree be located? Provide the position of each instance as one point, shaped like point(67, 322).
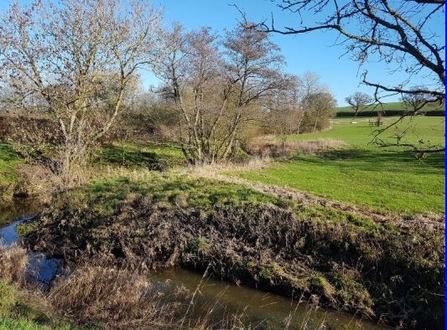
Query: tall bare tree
point(285, 112)
point(77, 59)
point(191, 74)
point(216, 91)
point(316, 102)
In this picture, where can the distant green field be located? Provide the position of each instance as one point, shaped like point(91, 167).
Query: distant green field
point(429, 130)
point(391, 106)
point(384, 179)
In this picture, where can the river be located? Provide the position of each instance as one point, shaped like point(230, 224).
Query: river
point(262, 310)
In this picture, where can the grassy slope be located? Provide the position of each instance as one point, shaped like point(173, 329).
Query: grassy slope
point(8, 161)
point(365, 175)
point(360, 135)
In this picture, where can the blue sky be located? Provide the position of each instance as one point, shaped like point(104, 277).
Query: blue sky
point(313, 52)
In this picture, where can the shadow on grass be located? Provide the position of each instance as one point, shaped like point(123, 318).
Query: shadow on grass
point(378, 160)
point(127, 157)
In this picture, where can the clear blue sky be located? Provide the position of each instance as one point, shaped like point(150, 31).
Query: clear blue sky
point(313, 52)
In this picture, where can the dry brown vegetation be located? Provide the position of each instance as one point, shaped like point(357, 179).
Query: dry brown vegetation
point(103, 298)
point(332, 261)
point(110, 297)
point(13, 262)
point(268, 147)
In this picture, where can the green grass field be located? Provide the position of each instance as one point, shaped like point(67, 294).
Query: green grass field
point(360, 135)
point(385, 179)
point(391, 106)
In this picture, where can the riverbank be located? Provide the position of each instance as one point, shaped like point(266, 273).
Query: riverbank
point(329, 256)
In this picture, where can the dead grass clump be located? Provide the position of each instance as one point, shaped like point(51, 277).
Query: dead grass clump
point(37, 181)
point(111, 297)
point(254, 164)
point(316, 146)
point(13, 263)
point(268, 147)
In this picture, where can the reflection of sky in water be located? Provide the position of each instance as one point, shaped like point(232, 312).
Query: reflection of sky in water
point(8, 235)
point(40, 269)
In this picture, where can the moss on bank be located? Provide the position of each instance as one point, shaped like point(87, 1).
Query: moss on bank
point(333, 258)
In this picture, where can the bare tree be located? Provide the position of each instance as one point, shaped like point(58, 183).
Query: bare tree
point(285, 112)
point(218, 92)
point(77, 60)
point(190, 72)
point(358, 100)
point(415, 101)
point(316, 102)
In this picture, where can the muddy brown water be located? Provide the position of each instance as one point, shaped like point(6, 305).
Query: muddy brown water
point(211, 298)
point(260, 309)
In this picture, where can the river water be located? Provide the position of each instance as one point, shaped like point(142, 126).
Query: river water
point(40, 270)
point(261, 310)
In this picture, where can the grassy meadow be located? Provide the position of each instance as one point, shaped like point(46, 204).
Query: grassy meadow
point(389, 179)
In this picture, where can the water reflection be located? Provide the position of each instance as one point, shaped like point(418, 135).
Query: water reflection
point(262, 310)
point(40, 269)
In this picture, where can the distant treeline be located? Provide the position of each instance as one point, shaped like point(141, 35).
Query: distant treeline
point(387, 113)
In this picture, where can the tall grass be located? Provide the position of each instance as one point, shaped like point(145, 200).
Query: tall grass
point(13, 263)
point(17, 305)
